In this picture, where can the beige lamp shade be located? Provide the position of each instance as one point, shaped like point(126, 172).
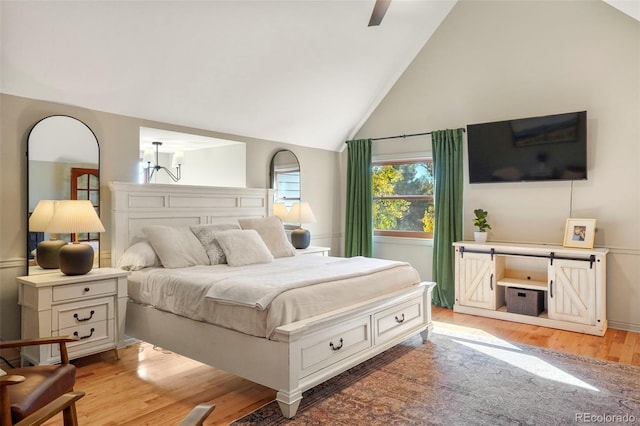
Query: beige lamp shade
point(47, 250)
point(177, 159)
point(280, 210)
point(42, 215)
point(75, 216)
point(300, 213)
point(147, 155)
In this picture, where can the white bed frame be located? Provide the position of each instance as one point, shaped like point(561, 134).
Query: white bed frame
point(305, 353)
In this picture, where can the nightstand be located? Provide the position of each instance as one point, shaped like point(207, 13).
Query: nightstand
point(91, 307)
point(318, 251)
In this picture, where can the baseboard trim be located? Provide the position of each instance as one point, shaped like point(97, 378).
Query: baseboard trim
point(625, 326)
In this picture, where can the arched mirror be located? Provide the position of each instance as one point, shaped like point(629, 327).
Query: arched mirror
point(64, 164)
point(285, 177)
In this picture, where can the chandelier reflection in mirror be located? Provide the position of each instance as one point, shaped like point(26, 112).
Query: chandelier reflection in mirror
point(178, 158)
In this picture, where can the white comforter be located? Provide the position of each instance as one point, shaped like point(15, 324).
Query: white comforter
point(258, 287)
point(185, 291)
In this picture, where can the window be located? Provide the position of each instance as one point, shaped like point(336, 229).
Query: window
point(403, 198)
point(287, 185)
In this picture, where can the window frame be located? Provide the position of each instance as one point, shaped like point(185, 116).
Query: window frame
point(423, 158)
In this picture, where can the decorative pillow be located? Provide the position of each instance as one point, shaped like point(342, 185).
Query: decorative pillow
point(138, 256)
point(272, 232)
point(176, 247)
point(207, 236)
point(243, 247)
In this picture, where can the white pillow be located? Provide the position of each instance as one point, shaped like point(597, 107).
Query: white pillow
point(138, 256)
point(206, 234)
point(176, 247)
point(272, 232)
point(243, 247)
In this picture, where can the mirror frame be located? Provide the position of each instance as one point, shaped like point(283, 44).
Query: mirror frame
point(272, 169)
point(29, 183)
point(272, 174)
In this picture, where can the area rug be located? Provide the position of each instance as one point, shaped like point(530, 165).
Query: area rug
point(464, 379)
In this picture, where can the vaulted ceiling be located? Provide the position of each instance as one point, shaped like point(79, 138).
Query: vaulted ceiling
point(303, 72)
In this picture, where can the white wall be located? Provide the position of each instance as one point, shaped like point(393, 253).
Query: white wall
point(496, 60)
point(219, 166)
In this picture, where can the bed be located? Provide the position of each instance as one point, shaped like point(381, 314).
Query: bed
point(291, 353)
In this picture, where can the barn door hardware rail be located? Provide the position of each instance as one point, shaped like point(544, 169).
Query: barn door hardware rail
point(551, 256)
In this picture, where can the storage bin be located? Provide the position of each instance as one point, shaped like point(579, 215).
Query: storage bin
point(524, 301)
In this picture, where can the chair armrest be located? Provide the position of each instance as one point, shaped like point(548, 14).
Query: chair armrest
point(60, 340)
point(37, 342)
point(198, 415)
point(51, 409)
point(11, 379)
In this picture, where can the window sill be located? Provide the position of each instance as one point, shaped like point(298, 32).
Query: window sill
point(404, 241)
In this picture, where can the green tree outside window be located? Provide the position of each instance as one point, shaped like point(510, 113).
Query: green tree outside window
point(403, 198)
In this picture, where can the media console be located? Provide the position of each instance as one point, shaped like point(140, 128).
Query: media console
point(572, 283)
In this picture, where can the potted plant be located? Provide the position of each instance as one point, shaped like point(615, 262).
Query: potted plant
point(480, 221)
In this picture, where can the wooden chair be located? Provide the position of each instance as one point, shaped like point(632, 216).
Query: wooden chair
point(198, 415)
point(29, 394)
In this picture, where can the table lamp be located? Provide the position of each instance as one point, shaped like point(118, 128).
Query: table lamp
point(300, 213)
point(73, 217)
point(46, 251)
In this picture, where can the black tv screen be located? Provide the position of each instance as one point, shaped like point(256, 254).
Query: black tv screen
point(551, 147)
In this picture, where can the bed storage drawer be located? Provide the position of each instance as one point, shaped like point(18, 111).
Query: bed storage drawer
point(336, 343)
point(398, 319)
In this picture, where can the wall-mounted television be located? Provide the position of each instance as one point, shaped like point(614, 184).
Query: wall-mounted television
point(551, 147)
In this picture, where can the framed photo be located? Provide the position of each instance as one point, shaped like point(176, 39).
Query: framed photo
point(579, 233)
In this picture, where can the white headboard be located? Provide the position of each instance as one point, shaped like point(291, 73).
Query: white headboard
point(134, 206)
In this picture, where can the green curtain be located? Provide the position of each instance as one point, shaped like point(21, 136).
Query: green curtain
point(359, 223)
point(447, 166)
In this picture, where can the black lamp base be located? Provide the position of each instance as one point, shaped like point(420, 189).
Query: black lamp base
point(47, 253)
point(300, 238)
point(76, 259)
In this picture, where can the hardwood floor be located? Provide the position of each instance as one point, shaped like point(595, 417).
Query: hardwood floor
point(149, 386)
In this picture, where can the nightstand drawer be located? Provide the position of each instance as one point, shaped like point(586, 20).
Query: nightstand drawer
point(396, 320)
point(90, 335)
point(80, 313)
point(87, 289)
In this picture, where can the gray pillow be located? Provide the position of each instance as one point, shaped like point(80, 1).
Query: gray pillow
point(176, 247)
point(243, 247)
point(207, 236)
point(272, 233)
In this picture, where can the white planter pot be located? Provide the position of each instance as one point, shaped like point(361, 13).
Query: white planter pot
point(480, 237)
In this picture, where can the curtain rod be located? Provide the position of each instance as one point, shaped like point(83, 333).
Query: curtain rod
point(404, 136)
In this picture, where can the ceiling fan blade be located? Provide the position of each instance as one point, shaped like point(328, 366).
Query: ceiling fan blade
point(379, 9)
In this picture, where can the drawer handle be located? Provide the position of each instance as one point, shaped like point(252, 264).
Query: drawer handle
point(87, 289)
point(75, 333)
point(400, 320)
point(84, 319)
point(336, 348)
